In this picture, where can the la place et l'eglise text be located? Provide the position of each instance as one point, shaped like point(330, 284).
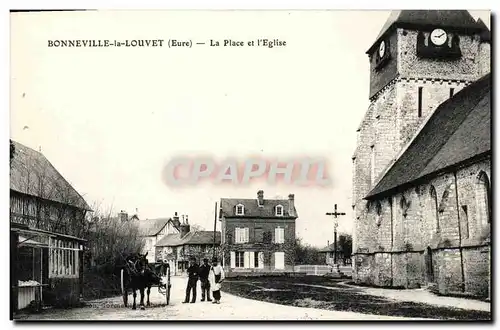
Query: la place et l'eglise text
point(106, 43)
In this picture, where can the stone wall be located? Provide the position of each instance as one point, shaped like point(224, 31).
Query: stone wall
point(405, 226)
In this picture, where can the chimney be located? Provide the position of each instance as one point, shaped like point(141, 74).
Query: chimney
point(123, 216)
point(184, 230)
point(291, 205)
point(175, 220)
point(260, 198)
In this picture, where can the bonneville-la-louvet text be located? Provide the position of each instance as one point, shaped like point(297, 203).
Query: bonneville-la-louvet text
point(106, 43)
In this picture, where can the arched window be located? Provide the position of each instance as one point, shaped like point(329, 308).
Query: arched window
point(240, 209)
point(405, 205)
point(279, 210)
point(434, 206)
point(483, 198)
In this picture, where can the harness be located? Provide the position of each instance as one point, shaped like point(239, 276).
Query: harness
point(132, 267)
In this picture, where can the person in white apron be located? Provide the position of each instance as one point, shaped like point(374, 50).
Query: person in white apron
point(216, 277)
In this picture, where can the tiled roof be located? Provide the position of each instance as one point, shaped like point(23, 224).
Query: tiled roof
point(205, 237)
point(192, 238)
point(151, 227)
point(452, 19)
point(252, 209)
point(458, 130)
point(32, 174)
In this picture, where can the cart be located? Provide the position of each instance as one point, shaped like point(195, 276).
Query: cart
point(162, 271)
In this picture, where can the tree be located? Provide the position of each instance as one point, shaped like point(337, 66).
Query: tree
point(306, 254)
point(345, 246)
point(109, 242)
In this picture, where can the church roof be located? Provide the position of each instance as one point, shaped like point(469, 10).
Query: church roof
point(457, 131)
point(451, 19)
point(486, 34)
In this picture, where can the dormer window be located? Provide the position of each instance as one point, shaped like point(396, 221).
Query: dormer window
point(279, 210)
point(240, 209)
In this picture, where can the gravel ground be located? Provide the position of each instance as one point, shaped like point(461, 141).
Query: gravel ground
point(231, 308)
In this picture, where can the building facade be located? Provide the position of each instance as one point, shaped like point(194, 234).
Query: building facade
point(178, 248)
point(422, 162)
point(258, 235)
point(47, 216)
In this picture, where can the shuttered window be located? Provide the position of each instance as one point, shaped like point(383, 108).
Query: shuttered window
point(279, 235)
point(241, 235)
point(239, 259)
point(279, 260)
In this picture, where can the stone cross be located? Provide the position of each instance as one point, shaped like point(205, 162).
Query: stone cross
point(335, 215)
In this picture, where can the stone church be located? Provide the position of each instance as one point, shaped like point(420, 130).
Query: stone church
point(422, 165)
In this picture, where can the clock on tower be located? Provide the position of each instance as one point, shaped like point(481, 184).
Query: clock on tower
point(382, 55)
point(439, 44)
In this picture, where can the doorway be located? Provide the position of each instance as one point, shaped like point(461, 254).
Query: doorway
point(429, 266)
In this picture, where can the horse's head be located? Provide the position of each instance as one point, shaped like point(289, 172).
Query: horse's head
point(142, 262)
point(137, 263)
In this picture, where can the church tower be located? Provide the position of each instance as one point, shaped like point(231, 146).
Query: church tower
point(419, 59)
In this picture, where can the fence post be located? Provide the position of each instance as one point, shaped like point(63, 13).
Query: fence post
point(315, 269)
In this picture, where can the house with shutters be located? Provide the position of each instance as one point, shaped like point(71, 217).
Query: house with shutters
point(258, 235)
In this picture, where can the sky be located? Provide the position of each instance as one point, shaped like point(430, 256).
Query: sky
point(110, 119)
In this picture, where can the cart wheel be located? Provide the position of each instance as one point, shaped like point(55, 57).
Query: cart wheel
point(167, 293)
point(124, 289)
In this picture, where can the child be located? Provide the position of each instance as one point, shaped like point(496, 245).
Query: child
point(216, 277)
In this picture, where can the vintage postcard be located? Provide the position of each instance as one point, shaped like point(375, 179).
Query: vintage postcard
point(290, 165)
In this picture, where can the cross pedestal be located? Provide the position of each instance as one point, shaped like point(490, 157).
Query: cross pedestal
point(335, 215)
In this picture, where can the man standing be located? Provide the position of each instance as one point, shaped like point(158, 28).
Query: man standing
point(216, 277)
point(193, 274)
point(205, 284)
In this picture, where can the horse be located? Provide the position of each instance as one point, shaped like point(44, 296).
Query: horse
point(141, 277)
point(136, 277)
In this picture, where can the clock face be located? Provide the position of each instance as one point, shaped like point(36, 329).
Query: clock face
point(381, 49)
point(439, 37)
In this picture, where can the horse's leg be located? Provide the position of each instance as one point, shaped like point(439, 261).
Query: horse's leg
point(141, 290)
point(149, 290)
point(135, 295)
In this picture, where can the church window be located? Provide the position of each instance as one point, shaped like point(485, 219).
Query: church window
point(405, 205)
point(452, 92)
point(434, 206)
point(483, 198)
point(466, 218)
point(372, 163)
point(378, 210)
point(420, 101)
